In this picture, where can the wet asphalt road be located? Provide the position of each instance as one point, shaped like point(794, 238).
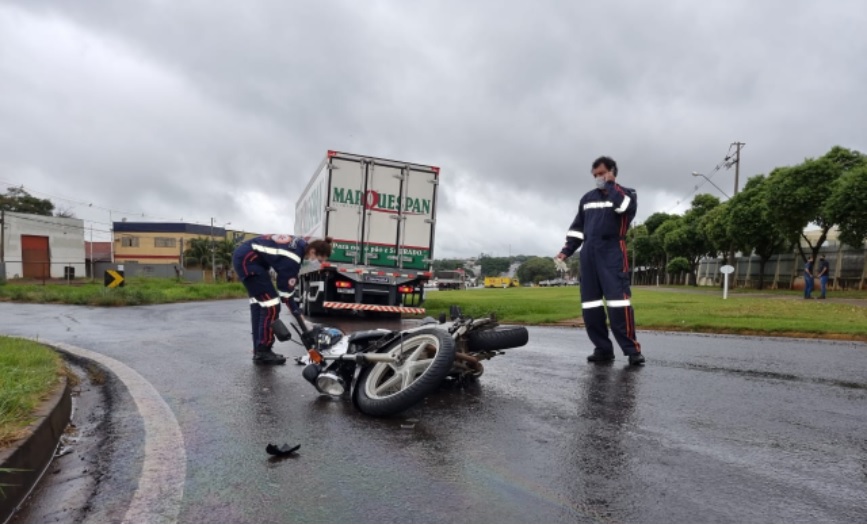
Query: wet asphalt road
point(713, 429)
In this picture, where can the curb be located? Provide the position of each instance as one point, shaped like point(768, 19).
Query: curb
point(33, 454)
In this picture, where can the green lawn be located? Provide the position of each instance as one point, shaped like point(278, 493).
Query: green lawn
point(700, 309)
point(136, 291)
point(28, 371)
point(686, 309)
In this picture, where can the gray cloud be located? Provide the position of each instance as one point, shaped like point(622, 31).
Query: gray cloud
point(224, 109)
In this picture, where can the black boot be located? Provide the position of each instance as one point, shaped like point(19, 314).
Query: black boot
point(636, 360)
point(600, 356)
point(264, 356)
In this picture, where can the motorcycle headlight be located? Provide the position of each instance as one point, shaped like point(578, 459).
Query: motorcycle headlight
point(331, 384)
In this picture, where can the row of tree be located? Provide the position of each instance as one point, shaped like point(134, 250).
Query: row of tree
point(769, 216)
point(203, 251)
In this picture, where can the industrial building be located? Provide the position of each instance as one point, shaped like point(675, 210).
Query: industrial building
point(41, 247)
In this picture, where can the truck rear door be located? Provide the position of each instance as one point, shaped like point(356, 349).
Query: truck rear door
point(381, 212)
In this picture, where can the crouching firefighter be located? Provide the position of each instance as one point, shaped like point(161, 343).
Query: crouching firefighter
point(253, 260)
point(599, 230)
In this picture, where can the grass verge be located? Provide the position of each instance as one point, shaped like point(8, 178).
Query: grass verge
point(136, 291)
point(685, 309)
point(28, 373)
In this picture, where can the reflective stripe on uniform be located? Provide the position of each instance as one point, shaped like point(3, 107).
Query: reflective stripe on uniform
point(619, 303)
point(266, 304)
point(277, 251)
point(592, 304)
point(592, 205)
point(286, 294)
point(624, 204)
point(576, 234)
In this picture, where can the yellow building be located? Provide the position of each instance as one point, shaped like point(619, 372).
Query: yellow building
point(163, 242)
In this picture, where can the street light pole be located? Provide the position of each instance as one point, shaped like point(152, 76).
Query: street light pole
point(697, 174)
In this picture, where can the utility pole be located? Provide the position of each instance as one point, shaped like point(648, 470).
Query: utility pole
point(111, 235)
point(737, 162)
point(92, 275)
point(2, 236)
point(738, 146)
point(213, 254)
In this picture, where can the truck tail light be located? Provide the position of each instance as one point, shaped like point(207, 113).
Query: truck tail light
point(343, 284)
point(405, 289)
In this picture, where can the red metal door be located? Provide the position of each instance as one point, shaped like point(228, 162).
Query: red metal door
point(34, 256)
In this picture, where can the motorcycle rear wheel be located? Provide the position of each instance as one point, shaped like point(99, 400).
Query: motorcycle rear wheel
point(384, 389)
point(498, 338)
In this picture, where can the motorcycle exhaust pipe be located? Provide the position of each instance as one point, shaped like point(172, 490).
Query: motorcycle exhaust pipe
point(311, 372)
point(325, 382)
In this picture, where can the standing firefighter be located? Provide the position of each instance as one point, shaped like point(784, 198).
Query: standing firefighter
point(599, 229)
point(253, 261)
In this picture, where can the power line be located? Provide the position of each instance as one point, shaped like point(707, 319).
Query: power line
point(19, 216)
point(726, 162)
point(96, 206)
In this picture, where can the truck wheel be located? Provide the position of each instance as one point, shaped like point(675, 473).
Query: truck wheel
point(384, 389)
point(497, 338)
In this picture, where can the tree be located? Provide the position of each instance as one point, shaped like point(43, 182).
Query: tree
point(440, 265)
point(849, 207)
point(198, 252)
point(716, 228)
point(537, 269)
point(224, 248)
point(679, 265)
point(66, 213)
point(574, 264)
point(751, 225)
point(688, 239)
point(18, 200)
point(656, 220)
point(650, 249)
point(494, 266)
point(657, 240)
point(816, 191)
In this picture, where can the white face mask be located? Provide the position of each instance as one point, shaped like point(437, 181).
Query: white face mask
point(600, 183)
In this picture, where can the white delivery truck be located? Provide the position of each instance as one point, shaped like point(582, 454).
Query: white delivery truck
point(381, 215)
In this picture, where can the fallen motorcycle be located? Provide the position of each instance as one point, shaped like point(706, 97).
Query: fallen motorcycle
point(388, 371)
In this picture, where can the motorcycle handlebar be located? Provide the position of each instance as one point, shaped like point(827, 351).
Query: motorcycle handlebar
point(301, 323)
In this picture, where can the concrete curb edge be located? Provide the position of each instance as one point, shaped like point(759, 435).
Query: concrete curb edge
point(31, 455)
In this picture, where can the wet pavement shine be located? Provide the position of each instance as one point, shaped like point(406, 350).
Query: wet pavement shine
point(713, 429)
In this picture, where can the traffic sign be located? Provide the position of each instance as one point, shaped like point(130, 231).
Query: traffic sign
point(727, 269)
point(113, 278)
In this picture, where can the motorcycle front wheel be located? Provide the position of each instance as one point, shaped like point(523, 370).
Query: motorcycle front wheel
point(425, 359)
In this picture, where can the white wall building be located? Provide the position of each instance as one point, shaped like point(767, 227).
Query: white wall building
point(38, 246)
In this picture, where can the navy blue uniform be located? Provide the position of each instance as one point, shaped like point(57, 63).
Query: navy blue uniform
point(599, 230)
point(253, 261)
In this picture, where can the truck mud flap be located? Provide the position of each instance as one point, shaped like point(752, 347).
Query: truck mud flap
point(374, 308)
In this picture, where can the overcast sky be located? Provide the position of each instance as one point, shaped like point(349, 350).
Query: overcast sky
point(164, 110)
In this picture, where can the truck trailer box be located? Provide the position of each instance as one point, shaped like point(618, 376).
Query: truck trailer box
point(381, 215)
